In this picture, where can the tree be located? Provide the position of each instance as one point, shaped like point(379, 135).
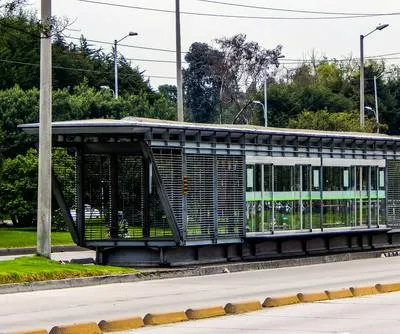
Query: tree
point(332, 121)
point(243, 68)
point(18, 187)
point(201, 83)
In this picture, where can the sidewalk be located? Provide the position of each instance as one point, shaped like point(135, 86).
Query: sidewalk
point(32, 250)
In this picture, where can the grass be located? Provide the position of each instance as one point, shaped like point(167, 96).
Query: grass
point(12, 237)
point(36, 268)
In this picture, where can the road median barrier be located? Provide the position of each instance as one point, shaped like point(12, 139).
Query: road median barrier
point(164, 318)
point(87, 328)
point(312, 297)
point(122, 324)
point(242, 307)
point(363, 290)
point(207, 312)
point(33, 331)
point(389, 287)
point(280, 301)
point(338, 294)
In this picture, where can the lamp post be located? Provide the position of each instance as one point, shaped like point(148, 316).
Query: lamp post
point(265, 111)
point(265, 105)
point(116, 61)
point(379, 27)
point(376, 114)
point(107, 88)
point(376, 99)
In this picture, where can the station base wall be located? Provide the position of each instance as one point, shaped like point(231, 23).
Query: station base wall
point(251, 249)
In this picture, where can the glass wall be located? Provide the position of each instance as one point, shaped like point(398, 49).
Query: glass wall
point(302, 197)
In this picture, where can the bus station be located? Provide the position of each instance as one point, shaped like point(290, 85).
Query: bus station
point(153, 192)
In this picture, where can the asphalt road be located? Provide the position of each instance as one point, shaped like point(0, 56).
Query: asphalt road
point(56, 307)
point(362, 315)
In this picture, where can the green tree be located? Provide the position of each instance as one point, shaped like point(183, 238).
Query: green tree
point(201, 83)
point(18, 187)
point(332, 121)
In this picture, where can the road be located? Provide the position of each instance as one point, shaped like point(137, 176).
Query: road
point(48, 308)
point(361, 315)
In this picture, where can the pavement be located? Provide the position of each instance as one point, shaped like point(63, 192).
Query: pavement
point(83, 255)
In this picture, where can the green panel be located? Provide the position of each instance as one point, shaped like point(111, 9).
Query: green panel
point(295, 196)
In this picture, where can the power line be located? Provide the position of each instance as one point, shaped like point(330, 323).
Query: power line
point(240, 16)
point(284, 9)
point(125, 45)
point(75, 68)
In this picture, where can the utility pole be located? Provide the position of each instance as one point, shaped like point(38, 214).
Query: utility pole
point(362, 81)
point(178, 62)
point(44, 182)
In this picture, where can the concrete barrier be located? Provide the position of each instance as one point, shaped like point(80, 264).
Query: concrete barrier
point(164, 318)
point(33, 331)
point(87, 328)
point(122, 324)
point(363, 291)
point(202, 313)
point(312, 297)
point(280, 301)
point(243, 307)
point(389, 287)
point(338, 294)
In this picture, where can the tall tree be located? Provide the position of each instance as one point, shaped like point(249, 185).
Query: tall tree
point(202, 83)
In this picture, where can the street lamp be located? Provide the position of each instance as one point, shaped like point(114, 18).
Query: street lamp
point(265, 105)
point(107, 88)
point(376, 98)
point(265, 111)
point(380, 27)
point(375, 111)
point(116, 61)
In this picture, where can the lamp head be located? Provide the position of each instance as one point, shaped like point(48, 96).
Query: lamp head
point(131, 33)
point(382, 26)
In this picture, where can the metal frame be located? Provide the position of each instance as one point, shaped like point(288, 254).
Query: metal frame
point(257, 144)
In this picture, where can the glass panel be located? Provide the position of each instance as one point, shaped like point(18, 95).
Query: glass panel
point(257, 177)
point(249, 178)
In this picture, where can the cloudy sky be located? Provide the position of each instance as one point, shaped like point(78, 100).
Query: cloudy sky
point(268, 22)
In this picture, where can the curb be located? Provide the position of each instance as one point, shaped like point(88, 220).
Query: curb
point(153, 274)
point(32, 250)
point(242, 307)
point(363, 291)
point(33, 331)
point(152, 319)
point(312, 297)
point(88, 327)
point(281, 301)
point(120, 324)
point(338, 294)
point(203, 313)
point(388, 287)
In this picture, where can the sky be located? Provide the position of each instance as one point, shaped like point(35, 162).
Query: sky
point(333, 38)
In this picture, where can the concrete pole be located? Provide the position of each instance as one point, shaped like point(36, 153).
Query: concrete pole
point(265, 100)
point(362, 81)
point(376, 104)
point(178, 62)
point(44, 186)
point(115, 69)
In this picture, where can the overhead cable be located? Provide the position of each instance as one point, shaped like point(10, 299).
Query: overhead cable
point(240, 16)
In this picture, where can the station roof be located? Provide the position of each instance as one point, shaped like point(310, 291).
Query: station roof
point(137, 125)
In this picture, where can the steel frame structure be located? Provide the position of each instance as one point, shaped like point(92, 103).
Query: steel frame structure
point(188, 189)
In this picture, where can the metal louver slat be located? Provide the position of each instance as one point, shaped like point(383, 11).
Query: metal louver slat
point(200, 197)
point(169, 164)
point(230, 196)
point(393, 194)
